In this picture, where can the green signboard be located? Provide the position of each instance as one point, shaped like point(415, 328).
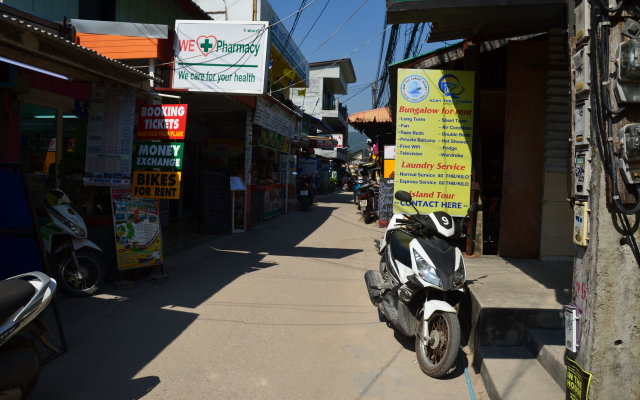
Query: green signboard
point(163, 156)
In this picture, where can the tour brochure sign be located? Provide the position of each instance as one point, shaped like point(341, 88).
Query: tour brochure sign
point(433, 140)
point(164, 121)
point(137, 230)
point(221, 56)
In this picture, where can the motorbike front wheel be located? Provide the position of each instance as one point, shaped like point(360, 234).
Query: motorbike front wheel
point(437, 354)
point(85, 278)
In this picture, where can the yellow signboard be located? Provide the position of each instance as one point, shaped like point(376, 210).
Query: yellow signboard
point(156, 184)
point(434, 129)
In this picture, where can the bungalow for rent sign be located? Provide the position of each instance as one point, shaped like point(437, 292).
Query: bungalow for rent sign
point(221, 56)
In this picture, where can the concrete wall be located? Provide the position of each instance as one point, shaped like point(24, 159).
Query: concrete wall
point(606, 287)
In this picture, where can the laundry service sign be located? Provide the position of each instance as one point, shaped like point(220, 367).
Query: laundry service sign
point(221, 56)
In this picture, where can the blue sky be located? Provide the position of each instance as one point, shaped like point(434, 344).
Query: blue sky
point(359, 38)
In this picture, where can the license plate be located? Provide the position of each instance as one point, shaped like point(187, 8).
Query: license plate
point(304, 193)
point(363, 203)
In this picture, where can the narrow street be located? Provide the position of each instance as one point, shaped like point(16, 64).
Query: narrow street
point(278, 312)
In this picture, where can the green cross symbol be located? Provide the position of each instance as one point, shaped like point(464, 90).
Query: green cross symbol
point(206, 45)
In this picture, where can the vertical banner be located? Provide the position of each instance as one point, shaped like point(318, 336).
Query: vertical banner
point(110, 136)
point(136, 224)
point(434, 131)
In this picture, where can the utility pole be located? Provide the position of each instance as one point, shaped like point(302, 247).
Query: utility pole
point(374, 90)
point(606, 279)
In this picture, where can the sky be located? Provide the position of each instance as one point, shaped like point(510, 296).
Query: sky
point(346, 29)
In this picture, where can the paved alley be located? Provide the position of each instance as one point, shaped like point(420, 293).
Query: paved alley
point(278, 312)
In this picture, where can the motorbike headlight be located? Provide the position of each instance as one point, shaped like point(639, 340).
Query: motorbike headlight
point(459, 275)
point(426, 270)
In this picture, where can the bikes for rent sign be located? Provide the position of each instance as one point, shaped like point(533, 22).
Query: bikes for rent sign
point(433, 140)
point(221, 56)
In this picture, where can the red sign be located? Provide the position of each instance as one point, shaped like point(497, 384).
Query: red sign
point(166, 121)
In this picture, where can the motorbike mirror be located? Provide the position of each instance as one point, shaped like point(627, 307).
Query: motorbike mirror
point(403, 196)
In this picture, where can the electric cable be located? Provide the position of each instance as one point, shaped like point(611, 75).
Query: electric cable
point(329, 38)
point(295, 24)
point(315, 22)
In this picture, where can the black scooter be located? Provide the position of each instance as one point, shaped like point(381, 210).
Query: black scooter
point(22, 299)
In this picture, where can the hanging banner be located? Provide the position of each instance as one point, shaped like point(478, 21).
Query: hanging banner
point(156, 184)
point(434, 130)
point(110, 136)
point(136, 225)
point(165, 121)
point(221, 56)
point(165, 156)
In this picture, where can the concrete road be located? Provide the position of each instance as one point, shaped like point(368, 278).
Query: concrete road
point(279, 312)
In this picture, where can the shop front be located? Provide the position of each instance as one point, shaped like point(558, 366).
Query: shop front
point(272, 178)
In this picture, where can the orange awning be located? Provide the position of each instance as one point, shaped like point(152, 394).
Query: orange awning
point(375, 115)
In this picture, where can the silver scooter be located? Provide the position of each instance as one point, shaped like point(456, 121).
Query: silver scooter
point(77, 262)
point(421, 279)
point(22, 299)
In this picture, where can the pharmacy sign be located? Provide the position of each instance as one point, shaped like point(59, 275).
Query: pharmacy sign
point(221, 56)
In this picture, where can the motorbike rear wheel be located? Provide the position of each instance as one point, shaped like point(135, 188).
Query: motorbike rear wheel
point(84, 279)
point(24, 350)
point(437, 355)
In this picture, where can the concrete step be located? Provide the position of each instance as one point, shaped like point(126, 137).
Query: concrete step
point(513, 373)
point(547, 345)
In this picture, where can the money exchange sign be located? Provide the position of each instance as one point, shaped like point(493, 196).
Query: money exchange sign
point(433, 140)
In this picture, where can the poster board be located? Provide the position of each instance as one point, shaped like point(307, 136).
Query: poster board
point(434, 131)
point(385, 201)
point(110, 136)
point(136, 225)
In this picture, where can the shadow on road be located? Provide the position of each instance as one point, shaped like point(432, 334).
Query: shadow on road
point(113, 336)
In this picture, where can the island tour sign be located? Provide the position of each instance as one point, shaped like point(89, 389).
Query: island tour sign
point(221, 56)
point(434, 132)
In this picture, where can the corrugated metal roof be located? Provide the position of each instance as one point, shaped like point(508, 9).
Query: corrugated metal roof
point(8, 19)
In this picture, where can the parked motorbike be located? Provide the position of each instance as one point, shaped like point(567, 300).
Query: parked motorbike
point(421, 279)
point(76, 261)
point(305, 196)
point(368, 201)
point(22, 299)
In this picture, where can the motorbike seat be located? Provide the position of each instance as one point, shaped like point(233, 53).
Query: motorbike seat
point(399, 243)
point(16, 293)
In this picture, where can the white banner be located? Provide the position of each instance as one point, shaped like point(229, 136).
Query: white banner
point(221, 56)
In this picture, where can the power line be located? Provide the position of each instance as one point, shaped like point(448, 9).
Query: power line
point(295, 23)
point(329, 38)
point(314, 22)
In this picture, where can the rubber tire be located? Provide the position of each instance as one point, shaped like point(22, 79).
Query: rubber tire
point(96, 258)
point(451, 352)
point(24, 390)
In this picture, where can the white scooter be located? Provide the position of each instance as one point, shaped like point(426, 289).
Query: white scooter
point(22, 299)
point(76, 260)
point(421, 279)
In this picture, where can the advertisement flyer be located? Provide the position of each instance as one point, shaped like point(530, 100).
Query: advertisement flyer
point(137, 230)
point(110, 136)
point(434, 131)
